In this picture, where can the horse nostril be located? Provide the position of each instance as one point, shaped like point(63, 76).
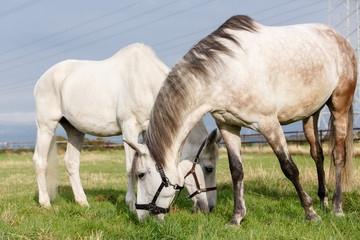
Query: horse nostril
point(211, 209)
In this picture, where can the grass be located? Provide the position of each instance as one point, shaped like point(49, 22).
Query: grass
point(273, 207)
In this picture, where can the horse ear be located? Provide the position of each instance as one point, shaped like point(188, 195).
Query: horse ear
point(213, 138)
point(139, 148)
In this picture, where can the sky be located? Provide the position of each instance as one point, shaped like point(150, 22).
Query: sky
point(36, 34)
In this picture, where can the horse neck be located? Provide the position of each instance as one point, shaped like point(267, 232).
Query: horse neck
point(178, 107)
point(185, 131)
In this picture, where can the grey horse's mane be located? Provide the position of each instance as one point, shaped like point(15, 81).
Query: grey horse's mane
point(173, 98)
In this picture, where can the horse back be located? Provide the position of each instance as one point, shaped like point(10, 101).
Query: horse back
point(96, 96)
point(291, 71)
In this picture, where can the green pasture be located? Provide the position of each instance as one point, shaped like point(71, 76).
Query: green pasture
point(273, 207)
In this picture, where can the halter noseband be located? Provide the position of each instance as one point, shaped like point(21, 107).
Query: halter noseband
point(152, 207)
point(193, 173)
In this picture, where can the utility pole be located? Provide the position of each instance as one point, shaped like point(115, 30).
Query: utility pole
point(344, 16)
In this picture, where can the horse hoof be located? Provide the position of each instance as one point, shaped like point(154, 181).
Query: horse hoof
point(46, 205)
point(316, 218)
point(83, 203)
point(324, 204)
point(234, 222)
point(338, 212)
point(312, 216)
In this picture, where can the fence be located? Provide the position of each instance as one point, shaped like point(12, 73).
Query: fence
point(294, 137)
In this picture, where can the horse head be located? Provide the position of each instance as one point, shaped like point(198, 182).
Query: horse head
point(200, 174)
point(157, 185)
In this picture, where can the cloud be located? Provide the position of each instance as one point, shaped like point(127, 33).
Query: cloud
point(17, 117)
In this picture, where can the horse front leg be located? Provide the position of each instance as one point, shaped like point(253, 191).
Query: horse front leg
point(130, 133)
point(72, 160)
point(274, 134)
point(231, 136)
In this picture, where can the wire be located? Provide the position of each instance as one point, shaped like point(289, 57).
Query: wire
point(167, 41)
point(273, 7)
point(297, 17)
point(18, 8)
point(89, 33)
point(290, 11)
point(107, 37)
point(17, 90)
point(72, 27)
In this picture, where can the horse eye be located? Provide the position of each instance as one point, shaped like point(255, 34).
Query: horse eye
point(209, 169)
point(141, 175)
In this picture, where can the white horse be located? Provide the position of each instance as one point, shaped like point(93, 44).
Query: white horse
point(249, 75)
point(106, 98)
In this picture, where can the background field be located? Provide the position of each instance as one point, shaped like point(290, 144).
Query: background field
point(273, 207)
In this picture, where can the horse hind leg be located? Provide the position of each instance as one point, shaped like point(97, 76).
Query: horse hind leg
point(341, 139)
point(72, 160)
point(274, 134)
point(311, 134)
point(45, 160)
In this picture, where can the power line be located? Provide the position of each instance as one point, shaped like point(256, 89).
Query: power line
point(72, 27)
point(273, 7)
point(101, 29)
point(89, 33)
point(109, 36)
point(292, 10)
point(14, 88)
point(162, 42)
point(304, 15)
point(215, 26)
point(18, 8)
point(17, 90)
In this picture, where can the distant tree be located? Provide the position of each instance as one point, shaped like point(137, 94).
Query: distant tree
point(60, 138)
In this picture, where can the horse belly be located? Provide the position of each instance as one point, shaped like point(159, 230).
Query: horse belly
point(91, 114)
point(294, 109)
point(231, 118)
point(94, 124)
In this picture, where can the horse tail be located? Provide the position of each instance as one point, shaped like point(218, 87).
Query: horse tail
point(347, 174)
point(52, 170)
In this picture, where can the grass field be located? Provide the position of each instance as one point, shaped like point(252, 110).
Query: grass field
point(273, 207)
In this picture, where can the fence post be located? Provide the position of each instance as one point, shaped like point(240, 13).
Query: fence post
point(7, 148)
point(297, 139)
point(321, 139)
point(244, 141)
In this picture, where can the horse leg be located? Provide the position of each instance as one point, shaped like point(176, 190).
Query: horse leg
point(311, 134)
point(231, 136)
point(274, 134)
point(130, 133)
point(342, 151)
point(45, 136)
point(72, 160)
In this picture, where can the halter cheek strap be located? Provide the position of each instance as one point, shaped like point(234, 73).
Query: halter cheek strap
point(193, 173)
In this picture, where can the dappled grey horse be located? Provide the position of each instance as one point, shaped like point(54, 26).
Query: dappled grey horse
point(250, 75)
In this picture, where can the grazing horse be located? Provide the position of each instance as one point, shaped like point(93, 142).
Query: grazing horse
point(106, 98)
point(250, 75)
